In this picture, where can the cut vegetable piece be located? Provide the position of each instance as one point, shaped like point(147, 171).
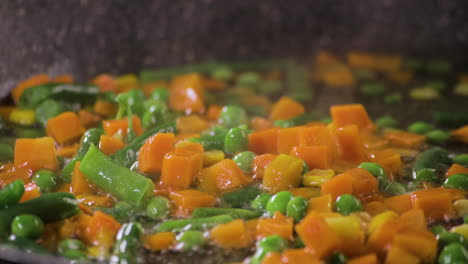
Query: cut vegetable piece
point(26, 153)
point(222, 177)
point(231, 235)
point(352, 114)
point(179, 168)
point(278, 225)
point(350, 144)
point(186, 201)
point(283, 173)
point(186, 93)
point(286, 108)
point(79, 181)
point(109, 145)
point(65, 128)
point(264, 141)
point(152, 153)
point(120, 126)
point(405, 139)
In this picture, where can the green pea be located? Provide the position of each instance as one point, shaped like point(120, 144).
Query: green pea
point(269, 87)
point(393, 98)
point(235, 141)
point(438, 136)
point(446, 238)
point(260, 202)
point(222, 73)
point(75, 254)
point(122, 210)
point(427, 175)
point(337, 258)
point(248, 79)
point(45, 180)
point(191, 240)
point(395, 188)
point(414, 64)
point(387, 122)
point(244, 160)
point(457, 181)
point(279, 202)
point(374, 168)
point(232, 116)
point(372, 89)
point(461, 159)
point(420, 127)
point(160, 93)
point(454, 252)
point(297, 208)
point(347, 203)
point(158, 207)
point(438, 229)
point(27, 225)
point(437, 85)
point(273, 243)
point(70, 244)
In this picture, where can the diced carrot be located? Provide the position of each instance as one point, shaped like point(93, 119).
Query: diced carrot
point(9, 176)
point(461, 134)
point(105, 82)
point(397, 255)
point(456, 169)
point(375, 207)
point(422, 244)
point(79, 181)
point(412, 220)
point(251, 228)
point(185, 201)
point(148, 88)
point(30, 82)
point(31, 191)
point(26, 153)
point(405, 139)
point(182, 137)
point(152, 152)
point(366, 259)
point(316, 135)
point(259, 164)
point(401, 77)
point(231, 235)
point(381, 239)
point(126, 82)
point(283, 173)
point(399, 203)
point(435, 203)
point(278, 225)
point(259, 101)
point(272, 258)
point(111, 127)
point(324, 58)
point(160, 241)
point(351, 114)
point(95, 200)
point(338, 76)
point(350, 144)
point(299, 255)
point(388, 63)
point(109, 144)
point(64, 187)
point(222, 177)
point(361, 60)
point(305, 192)
point(68, 151)
point(264, 141)
point(64, 78)
point(213, 112)
point(99, 229)
point(65, 128)
point(286, 108)
point(191, 124)
point(186, 93)
point(105, 108)
point(323, 204)
point(88, 119)
point(364, 183)
point(317, 235)
point(389, 159)
point(317, 157)
point(372, 142)
point(260, 123)
point(5, 111)
point(287, 138)
point(338, 185)
point(180, 168)
point(213, 85)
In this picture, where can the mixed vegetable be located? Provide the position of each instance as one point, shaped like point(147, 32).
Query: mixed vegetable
point(231, 156)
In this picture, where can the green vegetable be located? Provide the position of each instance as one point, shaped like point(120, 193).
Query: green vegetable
point(48, 109)
point(438, 136)
point(45, 180)
point(438, 229)
point(241, 197)
point(297, 208)
point(191, 240)
point(414, 64)
point(75, 254)
point(451, 119)
point(393, 98)
point(268, 244)
point(156, 113)
point(453, 253)
point(269, 87)
point(6, 152)
point(260, 202)
point(248, 79)
point(194, 224)
point(244, 160)
point(438, 66)
point(461, 159)
point(395, 188)
point(115, 179)
point(222, 73)
point(279, 202)
point(49, 207)
point(232, 116)
point(387, 122)
point(70, 244)
point(121, 211)
point(457, 181)
point(423, 93)
point(91, 136)
point(446, 238)
point(158, 207)
point(427, 175)
point(78, 93)
point(305, 167)
point(438, 86)
point(373, 89)
point(11, 194)
point(296, 121)
point(25, 245)
point(130, 102)
point(127, 244)
point(28, 226)
point(337, 258)
point(160, 93)
point(235, 213)
point(420, 127)
point(129, 154)
point(25, 132)
point(215, 142)
point(375, 169)
point(433, 158)
point(235, 141)
point(347, 203)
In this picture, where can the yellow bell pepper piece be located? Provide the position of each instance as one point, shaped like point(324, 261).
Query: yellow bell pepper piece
point(461, 229)
point(23, 117)
point(211, 157)
point(346, 226)
point(283, 173)
point(461, 207)
point(380, 219)
point(316, 177)
point(126, 82)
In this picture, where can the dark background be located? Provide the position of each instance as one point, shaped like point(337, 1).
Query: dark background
point(85, 37)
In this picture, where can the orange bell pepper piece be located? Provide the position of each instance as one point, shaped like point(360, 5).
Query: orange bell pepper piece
point(260, 123)
point(283, 173)
point(422, 244)
point(288, 138)
point(323, 204)
point(185, 201)
point(272, 258)
point(278, 225)
point(461, 134)
point(179, 168)
point(397, 255)
point(351, 114)
point(286, 108)
point(109, 144)
point(399, 203)
point(317, 157)
point(112, 127)
point(26, 153)
point(160, 241)
point(405, 139)
point(361, 60)
point(264, 141)
point(299, 255)
point(30, 82)
point(105, 82)
point(213, 112)
point(382, 238)
point(376, 207)
point(338, 185)
point(88, 119)
point(65, 128)
point(389, 159)
point(435, 203)
point(9, 176)
point(79, 182)
point(350, 144)
point(99, 229)
point(68, 151)
point(186, 94)
point(231, 235)
point(364, 183)
point(105, 108)
point(259, 164)
point(222, 177)
point(148, 88)
point(153, 150)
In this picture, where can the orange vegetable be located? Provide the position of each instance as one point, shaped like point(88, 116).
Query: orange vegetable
point(323, 204)
point(31, 191)
point(397, 255)
point(318, 135)
point(191, 124)
point(376, 207)
point(338, 76)
point(299, 255)
point(260, 123)
point(95, 200)
point(412, 220)
point(366, 259)
point(152, 152)
point(283, 173)
point(317, 157)
point(461, 134)
point(5, 111)
point(264, 141)
point(68, 151)
point(213, 112)
point(99, 229)
point(251, 228)
point(286, 108)
point(180, 168)
point(381, 239)
point(231, 235)
point(79, 182)
point(305, 192)
point(112, 127)
point(351, 114)
point(259, 164)
point(287, 138)
point(399, 203)
point(405, 139)
point(189, 146)
point(361, 60)
point(388, 63)
point(105, 82)
point(185, 201)
point(401, 77)
point(317, 235)
point(272, 258)
point(30, 82)
point(105, 108)
point(338, 185)
point(186, 94)
point(435, 203)
point(148, 88)
point(65, 128)
point(422, 244)
point(222, 177)
point(278, 225)
point(456, 169)
point(26, 153)
point(389, 159)
point(213, 85)
point(64, 78)
point(88, 119)
point(9, 176)
point(350, 144)
point(160, 241)
point(109, 145)
point(364, 183)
